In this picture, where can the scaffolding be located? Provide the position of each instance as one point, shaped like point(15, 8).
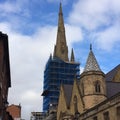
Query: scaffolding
point(57, 72)
point(38, 115)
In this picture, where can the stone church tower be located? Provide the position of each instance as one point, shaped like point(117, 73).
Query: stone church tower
point(92, 82)
point(59, 69)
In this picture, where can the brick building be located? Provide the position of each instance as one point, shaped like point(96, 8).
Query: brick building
point(15, 111)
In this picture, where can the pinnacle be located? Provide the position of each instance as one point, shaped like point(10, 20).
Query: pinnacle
point(72, 56)
point(91, 64)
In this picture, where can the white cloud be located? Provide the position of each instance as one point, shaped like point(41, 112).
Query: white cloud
point(28, 56)
point(108, 38)
point(13, 6)
point(73, 33)
point(81, 69)
point(100, 19)
point(91, 14)
point(30, 95)
point(8, 7)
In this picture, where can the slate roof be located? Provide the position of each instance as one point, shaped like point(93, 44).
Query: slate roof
point(110, 75)
point(68, 93)
point(112, 88)
point(91, 64)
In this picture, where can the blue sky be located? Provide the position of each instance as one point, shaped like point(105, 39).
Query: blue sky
point(32, 27)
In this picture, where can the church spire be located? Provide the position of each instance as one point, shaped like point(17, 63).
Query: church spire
point(72, 56)
point(61, 49)
point(90, 46)
point(91, 64)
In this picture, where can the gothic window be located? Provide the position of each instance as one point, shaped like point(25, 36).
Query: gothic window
point(118, 113)
point(75, 104)
point(97, 87)
point(106, 116)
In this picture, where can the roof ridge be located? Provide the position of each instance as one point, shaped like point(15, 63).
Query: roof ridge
point(114, 69)
point(109, 76)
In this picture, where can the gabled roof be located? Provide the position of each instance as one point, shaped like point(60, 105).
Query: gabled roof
point(91, 64)
point(110, 75)
point(68, 93)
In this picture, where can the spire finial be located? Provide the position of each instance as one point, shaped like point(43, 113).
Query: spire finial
point(72, 56)
point(91, 64)
point(60, 10)
point(90, 46)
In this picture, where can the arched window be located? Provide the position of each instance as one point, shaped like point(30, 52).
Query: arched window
point(75, 104)
point(97, 87)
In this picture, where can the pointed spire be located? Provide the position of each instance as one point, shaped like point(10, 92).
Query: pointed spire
point(60, 10)
point(91, 64)
point(61, 20)
point(90, 46)
point(61, 49)
point(72, 56)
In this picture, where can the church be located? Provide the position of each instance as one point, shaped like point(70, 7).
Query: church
point(59, 68)
point(95, 96)
point(91, 95)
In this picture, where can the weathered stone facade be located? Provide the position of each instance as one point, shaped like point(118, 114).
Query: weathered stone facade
point(93, 88)
point(95, 97)
point(106, 110)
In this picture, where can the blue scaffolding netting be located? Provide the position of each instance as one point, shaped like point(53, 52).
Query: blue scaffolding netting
point(57, 72)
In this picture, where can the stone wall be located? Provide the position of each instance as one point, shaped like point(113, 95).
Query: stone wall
point(109, 105)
